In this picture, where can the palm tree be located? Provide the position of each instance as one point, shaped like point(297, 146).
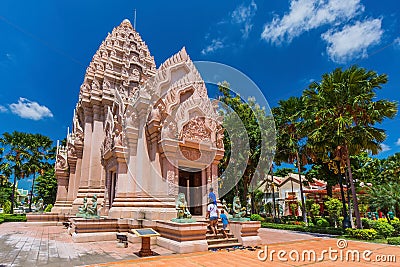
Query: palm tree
point(15, 154)
point(39, 154)
point(342, 111)
point(289, 124)
point(385, 197)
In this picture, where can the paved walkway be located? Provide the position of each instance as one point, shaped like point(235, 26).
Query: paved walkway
point(24, 244)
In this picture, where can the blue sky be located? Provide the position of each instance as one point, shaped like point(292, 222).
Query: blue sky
point(281, 45)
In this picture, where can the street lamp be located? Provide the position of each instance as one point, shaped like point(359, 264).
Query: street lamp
point(337, 169)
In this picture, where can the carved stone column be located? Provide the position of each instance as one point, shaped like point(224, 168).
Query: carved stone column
point(85, 170)
point(95, 178)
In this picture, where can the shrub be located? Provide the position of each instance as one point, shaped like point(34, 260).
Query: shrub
point(382, 227)
point(365, 234)
point(14, 217)
point(365, 223)
point(301, 228)
point(315, 209)
point(394, 240)
point(334, 208)
point(50, 206)
point(7, 207)
point(396, 225)
point(322, 222)
point(268, 219)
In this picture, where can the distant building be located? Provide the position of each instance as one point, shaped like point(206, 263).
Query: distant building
point(22, 195)
point(287, 191)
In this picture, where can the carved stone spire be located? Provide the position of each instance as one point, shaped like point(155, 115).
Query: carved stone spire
point(122, 62)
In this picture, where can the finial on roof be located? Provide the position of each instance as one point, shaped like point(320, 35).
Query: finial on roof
point(126, 21)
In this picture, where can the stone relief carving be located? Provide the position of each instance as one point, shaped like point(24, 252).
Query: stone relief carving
point(172, 189)
point(109, 65)
point(135, 75)
point(118, 134)
point(61, 159)
point(220, 137)
point(95, 85)
point(196, 130)
point(71, 150)
point(190, 153)
point(169, 130)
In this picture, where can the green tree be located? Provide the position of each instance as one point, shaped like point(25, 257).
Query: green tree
point(290, 146)
point(40, 153)
point(5, 192)
point(249, 126)
point(341, 112)
point(282, 172)
point(334, 207)
point(320, 170)
point(384, 197)
point(46, 186)
point(14, 155)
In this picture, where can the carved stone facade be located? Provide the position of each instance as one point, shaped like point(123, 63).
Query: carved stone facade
point(138, 133)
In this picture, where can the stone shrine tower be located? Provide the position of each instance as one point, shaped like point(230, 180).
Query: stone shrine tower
point(140, 134)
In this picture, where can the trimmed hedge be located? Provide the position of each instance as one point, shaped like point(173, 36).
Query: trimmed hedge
point(383, 228)
point(322, 222)
point(256, 217)
point(12, 218)
point(394, 240)
point(300, 228)
point(365, 234)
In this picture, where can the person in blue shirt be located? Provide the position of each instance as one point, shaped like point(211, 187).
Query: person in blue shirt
point(212, 196)
point(225, 222)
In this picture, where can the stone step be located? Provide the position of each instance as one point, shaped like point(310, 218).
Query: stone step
point(219, 235)
point(219, 230)
point(225, 245)
point(222, 241)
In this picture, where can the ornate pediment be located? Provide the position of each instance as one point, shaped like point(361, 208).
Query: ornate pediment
point(196, 130)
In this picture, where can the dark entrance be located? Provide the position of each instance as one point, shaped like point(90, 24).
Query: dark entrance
point(190, 185)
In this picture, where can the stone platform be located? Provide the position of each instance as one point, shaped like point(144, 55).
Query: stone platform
point(45, 217)
point(246, 232)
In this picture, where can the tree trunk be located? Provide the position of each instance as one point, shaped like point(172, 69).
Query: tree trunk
point(353, 191)
point(397, 211)
point(329, 190)
point(13, 194)
point(273, 192)
point(303, 205)
point(31, 194)
point(349, 201)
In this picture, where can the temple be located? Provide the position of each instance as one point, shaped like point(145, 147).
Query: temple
point(140, 134)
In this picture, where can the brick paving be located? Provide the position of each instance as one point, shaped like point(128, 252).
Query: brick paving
point(25, 244)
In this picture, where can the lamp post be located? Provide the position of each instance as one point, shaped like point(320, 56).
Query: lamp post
point(337, 169)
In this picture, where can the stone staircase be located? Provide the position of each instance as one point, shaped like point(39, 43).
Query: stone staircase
point(219, 241)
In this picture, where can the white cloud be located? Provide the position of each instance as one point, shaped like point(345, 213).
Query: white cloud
point(353, 40)
point(3, 109)
point(398, 142)
point(30, 110)
point(385, 148)
point(215, 45)
point(305, 15)
point(232, 29)
point(243, 15)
